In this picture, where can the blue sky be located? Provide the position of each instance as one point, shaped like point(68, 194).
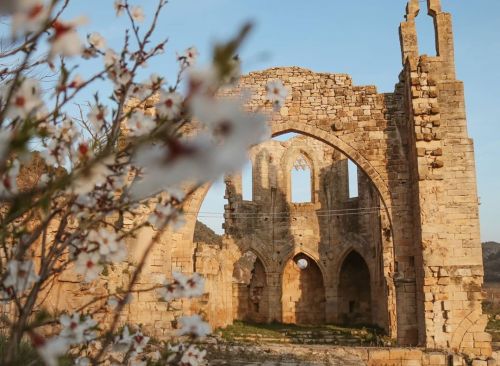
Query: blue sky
point(358, 37)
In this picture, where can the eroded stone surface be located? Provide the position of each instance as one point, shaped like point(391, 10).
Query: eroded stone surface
point(423, 248)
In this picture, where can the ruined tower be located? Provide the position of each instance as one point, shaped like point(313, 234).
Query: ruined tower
point(444, 193)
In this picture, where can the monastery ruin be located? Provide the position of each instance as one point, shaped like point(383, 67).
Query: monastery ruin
point(408, 259)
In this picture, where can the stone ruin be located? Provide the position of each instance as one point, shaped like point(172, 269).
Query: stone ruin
point(408, 261)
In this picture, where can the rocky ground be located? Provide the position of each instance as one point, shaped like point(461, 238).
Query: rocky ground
point(280, 354)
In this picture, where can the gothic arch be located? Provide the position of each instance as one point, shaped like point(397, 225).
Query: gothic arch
point(250, 292)
point(287, 162)
point(332, 140)
point(356, 144)
point(355, 290)
point(303, 295)
point(247, 247)
point(359, 249)
point(296, 251)
point(193, 204)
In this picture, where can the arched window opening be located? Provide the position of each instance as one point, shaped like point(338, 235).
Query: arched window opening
point(354, 291)
point(352, 170)
point(301, 181)
point(303, 299)
point(247, 181)
point(250, 289)
point(426, 34)
point(286, 136)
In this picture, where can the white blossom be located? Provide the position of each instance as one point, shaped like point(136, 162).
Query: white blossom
point(174, 351)
point(139, 124)
point(229, 122)
point(201, 157)
point(123, 341)
point(25, 100)
point(193, 356)
point(175, 193)
point(144, 90)
point(160, 215)
point(111, 58)
point(119, 6)
point(276, 92)
point(154, 81)
point(137, 13)
point(166, 213)
point(96, 40)
point(55, 153)
point(66, 41)
point(203, 81)
point(83, 151)
point(82, 208)
point(189, 56)
point(76, 329)
point(51, 349)
point(67, 131)
point(117, 72)
point(75, 83)
point(182, 287)
point(87, 264)
point(175, 289)
point(8, 182)
point(112, 249)
point(193, 326)
point(20, 275)
point(169, 105)
point(195, 286)
point(139, 341)
point(96, 175)
point(97, 116)
point(113, 301)
point(28, 15)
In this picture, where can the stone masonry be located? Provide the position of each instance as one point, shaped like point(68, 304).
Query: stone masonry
point(412, 264)
point(329, 233)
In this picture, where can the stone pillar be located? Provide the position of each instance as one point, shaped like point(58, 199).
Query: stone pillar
point(332, 302)
point(275, 292)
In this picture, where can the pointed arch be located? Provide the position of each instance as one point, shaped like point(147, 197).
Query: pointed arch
point(313, 256)
point(303, 292)
point(354, 291)
point(301, 177)
point(299, 167)
point(250, 288)
point(358, 247)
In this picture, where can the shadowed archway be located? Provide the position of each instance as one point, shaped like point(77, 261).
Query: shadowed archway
point(354, 291)
point(250, 290)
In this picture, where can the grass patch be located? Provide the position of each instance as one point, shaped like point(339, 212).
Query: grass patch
point(291, 333)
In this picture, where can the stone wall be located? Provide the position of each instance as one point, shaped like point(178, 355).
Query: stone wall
point(322, 232)
point(316, 355)
point(415, 161)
